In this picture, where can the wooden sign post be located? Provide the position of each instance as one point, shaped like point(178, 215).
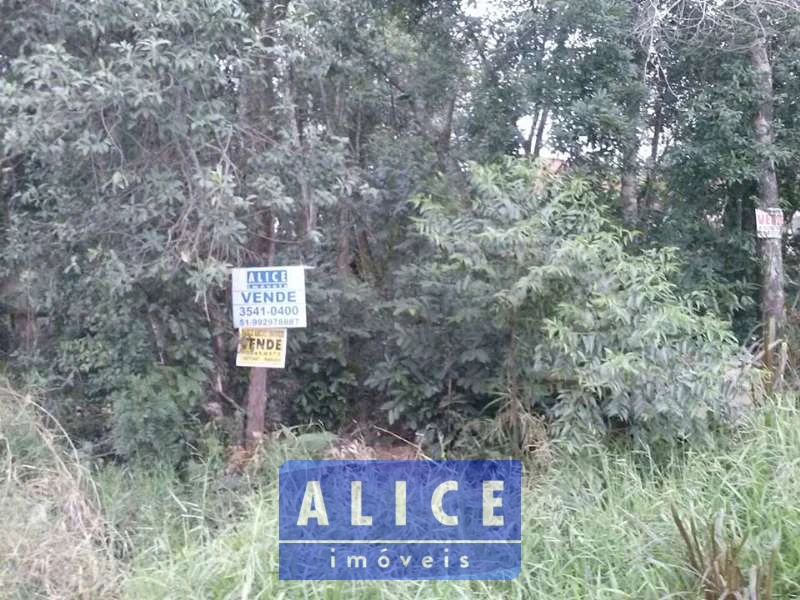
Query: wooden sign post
point(266, 301)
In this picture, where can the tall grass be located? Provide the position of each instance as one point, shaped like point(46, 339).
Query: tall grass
point(598, 525)
point(595, 526)
point(54, 540)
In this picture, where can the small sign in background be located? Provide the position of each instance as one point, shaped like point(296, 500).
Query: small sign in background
point(769, 223)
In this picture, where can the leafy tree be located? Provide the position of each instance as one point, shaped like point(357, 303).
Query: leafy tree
point(753, 39)
point(533, 295)
point(148, 147)
point(157, 145)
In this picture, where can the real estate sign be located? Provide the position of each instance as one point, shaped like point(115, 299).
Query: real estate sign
point(262, 348)
point(769, 223)
point(269, 297)
point(423, 519)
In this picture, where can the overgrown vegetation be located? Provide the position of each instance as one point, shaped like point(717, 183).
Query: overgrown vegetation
point(148, 147)
point(716, 562)
point(532, 294)
point(596, 525)
point(55, 540)
point(530, 231)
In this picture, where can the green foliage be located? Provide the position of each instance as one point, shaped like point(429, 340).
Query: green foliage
point(148, 147)
point(339, 344)
point(530, 290)
point(124, 212)
point(157, 145)
point(150, 413)
point(712, 258)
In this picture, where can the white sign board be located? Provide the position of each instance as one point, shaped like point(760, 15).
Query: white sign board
point(269, 297)
point(769, 223)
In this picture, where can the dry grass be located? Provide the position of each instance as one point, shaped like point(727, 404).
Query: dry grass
point(717, 565)
point(54, 541)
point(354, 447)
point(357, 449)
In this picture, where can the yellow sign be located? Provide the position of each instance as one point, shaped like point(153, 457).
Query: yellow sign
point(261, 348)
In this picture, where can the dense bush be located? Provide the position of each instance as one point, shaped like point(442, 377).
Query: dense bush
point(532, 294)
point(147, 147)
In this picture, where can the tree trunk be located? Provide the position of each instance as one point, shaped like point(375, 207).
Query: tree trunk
point(443, 136)
point(258, 97)
point(629, 186)
point(256, 405)
point(631, 141)
point(650, 200)
point(772, 293)
point(528, 147)
point(539, 142)
point(258, 388)
point(343, 256)
point(629, 201)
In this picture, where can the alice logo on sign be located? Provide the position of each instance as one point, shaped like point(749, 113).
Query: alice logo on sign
point(313, 506)
point(268, 279)
point(400, 519)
